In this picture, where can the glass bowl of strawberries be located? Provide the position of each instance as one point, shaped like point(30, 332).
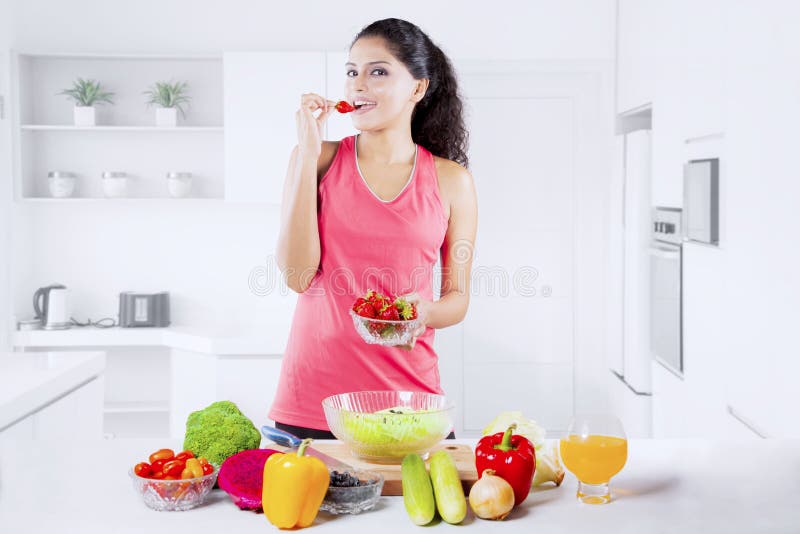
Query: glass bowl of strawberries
point(384, 319)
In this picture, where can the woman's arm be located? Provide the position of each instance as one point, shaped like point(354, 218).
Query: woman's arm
point(458, 249)
point(298, 248)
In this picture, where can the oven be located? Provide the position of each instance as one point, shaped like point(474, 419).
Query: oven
point(666, 292)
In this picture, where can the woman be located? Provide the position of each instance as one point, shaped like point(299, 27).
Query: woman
point(374, 211)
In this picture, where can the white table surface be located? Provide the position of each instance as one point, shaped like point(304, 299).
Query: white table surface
point(29, 381)
point(686, 486)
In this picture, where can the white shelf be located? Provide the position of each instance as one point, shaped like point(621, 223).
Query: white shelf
point(129, 200)
point(136, 407)
point(126, 136)
point(148, 57)
point(68, 128)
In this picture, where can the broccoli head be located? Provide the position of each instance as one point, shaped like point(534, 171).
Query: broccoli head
point(218, 431)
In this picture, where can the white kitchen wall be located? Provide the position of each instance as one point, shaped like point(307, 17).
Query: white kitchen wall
point(723, 81)
point(762, 260)
point(5, 180)
point(203, 253)
point(210, 254)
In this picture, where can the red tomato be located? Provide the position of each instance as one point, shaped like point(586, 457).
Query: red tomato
point(143, 469)
point(170, 477)
point(157, 475)
point(158, 465)
point(174, 468)
point(207, 469)
point(184, 455)
point(162, 454)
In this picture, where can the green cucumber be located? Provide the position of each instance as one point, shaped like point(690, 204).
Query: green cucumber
point(447, 490)
point(417, 490)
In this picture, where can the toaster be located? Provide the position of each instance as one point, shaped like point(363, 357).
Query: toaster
point(143, 309)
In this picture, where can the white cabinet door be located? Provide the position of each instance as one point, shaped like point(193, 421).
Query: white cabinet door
point(262, 94)
point(518, 335)
point(249, 381)
point(339, 125)
point(636, 53)
point(77, 415)
point(19, 431)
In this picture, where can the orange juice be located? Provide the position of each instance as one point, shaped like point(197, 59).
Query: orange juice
point(594, 459)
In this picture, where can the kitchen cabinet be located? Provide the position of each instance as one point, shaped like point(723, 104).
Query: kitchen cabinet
point(262, 94)
point(77, 413)
point(52, 396)
point(5, 201)
point(529, 340)
point(250, 381)
point(125, 138)
point(671, 54)
point(636, 53)
point(21, 430)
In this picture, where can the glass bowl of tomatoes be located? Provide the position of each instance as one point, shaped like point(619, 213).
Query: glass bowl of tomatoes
point(173, 482)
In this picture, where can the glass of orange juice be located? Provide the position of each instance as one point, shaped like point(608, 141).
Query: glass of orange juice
point(594, 450)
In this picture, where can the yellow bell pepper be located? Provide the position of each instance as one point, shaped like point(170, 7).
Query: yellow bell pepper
point(294, 487)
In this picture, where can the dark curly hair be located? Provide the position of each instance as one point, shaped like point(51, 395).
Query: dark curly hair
point(437, 122)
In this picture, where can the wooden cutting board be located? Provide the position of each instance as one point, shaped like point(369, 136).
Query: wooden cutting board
point(462, 455)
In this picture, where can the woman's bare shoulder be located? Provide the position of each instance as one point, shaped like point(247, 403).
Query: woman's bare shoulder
point(454, 179)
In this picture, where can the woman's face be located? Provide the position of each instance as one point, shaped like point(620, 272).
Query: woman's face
point(384, 84)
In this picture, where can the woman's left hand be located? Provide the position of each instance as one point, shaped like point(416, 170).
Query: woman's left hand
point(423, 313)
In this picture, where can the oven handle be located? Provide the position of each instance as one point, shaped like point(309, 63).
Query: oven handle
point(665, 252)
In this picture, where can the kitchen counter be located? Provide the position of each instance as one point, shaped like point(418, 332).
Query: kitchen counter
point(31, 381)
point(269, 340)
point(682, 486)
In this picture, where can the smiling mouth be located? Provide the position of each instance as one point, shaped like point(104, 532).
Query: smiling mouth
point(358, 104)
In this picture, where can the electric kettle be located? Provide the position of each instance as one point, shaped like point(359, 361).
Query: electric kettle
point(50, 305)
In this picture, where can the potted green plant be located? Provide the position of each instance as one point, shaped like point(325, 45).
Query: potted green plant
point(170, 98)
point(85, 94)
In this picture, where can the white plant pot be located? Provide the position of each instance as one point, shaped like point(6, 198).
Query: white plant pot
point(166, 117)
point(61, 184)
point(179, 184)
point(83, 115)
point(115, 184)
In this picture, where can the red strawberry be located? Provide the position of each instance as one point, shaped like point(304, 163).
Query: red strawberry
point(366, 310)
point(378, 302)
point(344, 107)
point(358, 303)
point(390, 313)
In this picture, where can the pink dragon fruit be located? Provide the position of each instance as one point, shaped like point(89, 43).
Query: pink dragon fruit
point(242, 477)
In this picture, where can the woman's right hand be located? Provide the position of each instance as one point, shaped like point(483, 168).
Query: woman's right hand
point(309, 127)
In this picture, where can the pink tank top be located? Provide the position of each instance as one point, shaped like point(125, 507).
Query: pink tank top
point(367, 243)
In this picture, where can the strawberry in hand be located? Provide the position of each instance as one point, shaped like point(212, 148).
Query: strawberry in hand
point(343, 106)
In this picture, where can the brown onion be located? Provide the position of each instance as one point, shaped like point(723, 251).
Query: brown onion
point(491, 497)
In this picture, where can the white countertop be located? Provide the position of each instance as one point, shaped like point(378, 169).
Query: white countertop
point(685, 486)
point(30, 381)
point(271, 340)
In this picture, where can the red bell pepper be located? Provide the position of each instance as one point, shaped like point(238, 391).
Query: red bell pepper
point(512, 457)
